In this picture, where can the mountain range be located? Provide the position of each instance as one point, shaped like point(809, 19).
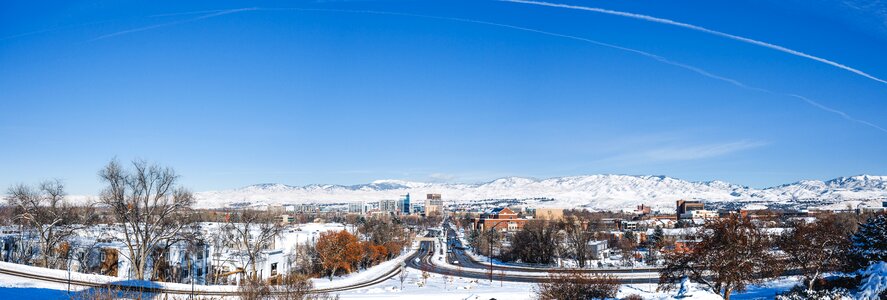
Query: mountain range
point(602, 192)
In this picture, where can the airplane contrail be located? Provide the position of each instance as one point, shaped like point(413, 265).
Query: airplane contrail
point(705, 30)
point(655, 57)
point(210, 15)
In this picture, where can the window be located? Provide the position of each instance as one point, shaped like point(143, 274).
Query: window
point(273, 269)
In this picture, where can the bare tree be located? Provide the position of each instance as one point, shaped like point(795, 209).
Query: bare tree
point(731, 254)
point(577, 239)
point(253, 289)
point(446, 279)
point(402, 276)
point(148, 204)
point(251, 232)
point(577, 285)
point(627, 246)
point(45, 211)
point(815, 248)
point(534, 243)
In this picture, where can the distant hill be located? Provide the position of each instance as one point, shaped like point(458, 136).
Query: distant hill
point(608, 192)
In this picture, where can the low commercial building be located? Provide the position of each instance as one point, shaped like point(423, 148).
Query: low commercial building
point(685, 208)
point(549, 213)
point(503, 219)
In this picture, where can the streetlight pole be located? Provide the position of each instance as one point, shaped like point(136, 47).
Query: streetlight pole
point(69, 276)
point(492, 230)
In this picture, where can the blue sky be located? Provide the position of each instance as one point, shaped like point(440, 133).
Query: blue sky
point(232, 94)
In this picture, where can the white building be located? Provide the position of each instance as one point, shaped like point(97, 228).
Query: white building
point(359, 207)
point(598, 249)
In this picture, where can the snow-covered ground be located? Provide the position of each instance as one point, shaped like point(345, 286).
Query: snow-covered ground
point(448, 287)
point(436, 286)
point(11, 286)
point(415, 287)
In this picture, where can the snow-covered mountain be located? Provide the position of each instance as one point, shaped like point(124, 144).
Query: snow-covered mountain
point(592, 191)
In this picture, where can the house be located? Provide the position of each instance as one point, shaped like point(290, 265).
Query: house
point(598, 249)
point(272, 263)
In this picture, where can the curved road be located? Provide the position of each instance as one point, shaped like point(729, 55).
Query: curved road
point(131, 288)
point(425, 255)
point(467, 261)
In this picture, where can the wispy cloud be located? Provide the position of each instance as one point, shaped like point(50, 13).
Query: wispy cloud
point(700, 151)
point(675, 153)
point(705, 30)
point(441, 177)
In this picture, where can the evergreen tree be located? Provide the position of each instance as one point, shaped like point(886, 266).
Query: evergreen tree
point(869, 243)
point(656, 237)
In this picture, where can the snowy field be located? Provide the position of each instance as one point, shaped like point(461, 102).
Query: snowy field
point(414, 287)
point(443, 287)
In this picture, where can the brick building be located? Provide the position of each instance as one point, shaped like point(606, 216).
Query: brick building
point(503, 219)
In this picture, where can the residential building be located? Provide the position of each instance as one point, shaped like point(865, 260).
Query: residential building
point(302, 208)
point(628, 225)
point(287, 218)
point(358, 207)
point(598, 249)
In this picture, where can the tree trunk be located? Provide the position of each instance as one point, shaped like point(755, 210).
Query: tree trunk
point(727, 293)
point(253, 267)
point(812, 281)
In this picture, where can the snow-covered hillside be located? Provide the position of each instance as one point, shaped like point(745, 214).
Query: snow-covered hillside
point(592, 191)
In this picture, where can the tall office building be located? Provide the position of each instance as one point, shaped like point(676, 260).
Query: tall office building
point(389, 205)
point(404, 205)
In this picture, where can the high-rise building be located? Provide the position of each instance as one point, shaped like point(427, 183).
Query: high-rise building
point(357, 207)
point(403, 206)
point(433, 204)
point(388, 205)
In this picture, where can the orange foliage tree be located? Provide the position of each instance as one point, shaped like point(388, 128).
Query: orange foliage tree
point(372, 253)
point(338, 251)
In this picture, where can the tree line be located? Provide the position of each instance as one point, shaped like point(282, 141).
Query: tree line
point(146, 205)
point(733, 252)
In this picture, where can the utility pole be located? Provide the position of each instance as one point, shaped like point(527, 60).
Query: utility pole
point(492, 231)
